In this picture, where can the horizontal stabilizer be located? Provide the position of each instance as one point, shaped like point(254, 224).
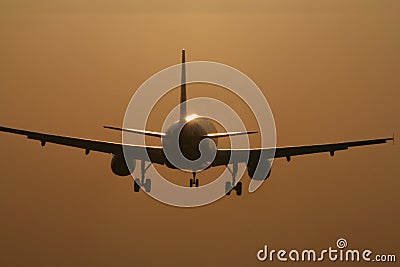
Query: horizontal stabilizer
point(216, 135)
point(149, 133)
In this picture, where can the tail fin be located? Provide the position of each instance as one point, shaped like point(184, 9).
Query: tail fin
point(183, 89)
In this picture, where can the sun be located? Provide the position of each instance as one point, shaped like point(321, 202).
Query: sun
point(191, 117)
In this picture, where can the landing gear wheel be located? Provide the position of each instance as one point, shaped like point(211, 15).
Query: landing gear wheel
point(147, 185)
point(194, 182)
point(136, 185)
point(228, 188)
point(238, 189)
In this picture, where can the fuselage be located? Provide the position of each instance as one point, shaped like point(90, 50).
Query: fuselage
point(191, 137)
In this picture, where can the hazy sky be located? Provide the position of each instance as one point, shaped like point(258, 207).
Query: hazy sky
point(329, 69)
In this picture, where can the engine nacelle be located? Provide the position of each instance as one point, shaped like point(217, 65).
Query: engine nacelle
point(119, 167)
point(261, 173)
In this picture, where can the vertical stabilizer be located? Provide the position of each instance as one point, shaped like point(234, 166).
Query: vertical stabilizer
point(183, 89)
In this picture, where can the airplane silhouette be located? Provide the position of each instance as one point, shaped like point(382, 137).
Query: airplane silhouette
point(190, 130)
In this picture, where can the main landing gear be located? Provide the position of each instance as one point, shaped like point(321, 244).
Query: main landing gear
point(194, 181)
point(145, 183)
point(230, 186)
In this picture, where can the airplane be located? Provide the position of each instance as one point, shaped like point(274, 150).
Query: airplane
point(191, 130)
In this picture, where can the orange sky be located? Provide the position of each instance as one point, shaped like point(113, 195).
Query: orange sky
point(329, 70)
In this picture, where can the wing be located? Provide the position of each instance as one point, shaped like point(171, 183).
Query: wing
point(226, 156)
point(147, 153)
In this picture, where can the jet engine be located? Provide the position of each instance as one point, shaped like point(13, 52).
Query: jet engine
point(261, 173)
point(119, 167)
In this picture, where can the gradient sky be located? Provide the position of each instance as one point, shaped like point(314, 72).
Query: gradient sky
point(329, 69)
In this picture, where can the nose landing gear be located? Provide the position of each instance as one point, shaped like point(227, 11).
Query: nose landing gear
point(194, 181)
